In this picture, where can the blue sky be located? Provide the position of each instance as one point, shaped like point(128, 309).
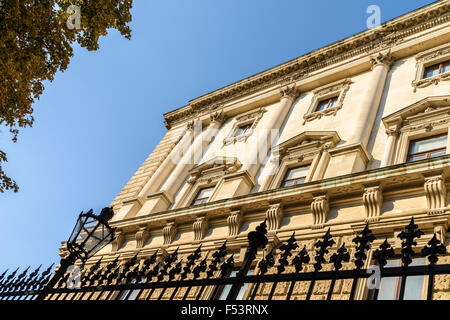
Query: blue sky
point(98, 121)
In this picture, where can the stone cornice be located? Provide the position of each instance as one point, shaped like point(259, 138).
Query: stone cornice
point(334, 187)
point(367, 43)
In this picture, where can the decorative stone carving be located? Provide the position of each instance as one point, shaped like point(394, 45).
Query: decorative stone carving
point(320, 208)
point(426, 59)
point(339, 88)
point(394, 33)
point(169, 232)
point(300, 150)
point(142, 236)
point(252, 118)
point(392, 132)
point(190, 125)
point(382, 59)
point(436, 194)
point(289, 92)
point(373, 201)
point(200, 227)
point(217, 117)
point(118, 241)
point(234, 221)
point(420, 118)
point(274, 215)
point(212, 170)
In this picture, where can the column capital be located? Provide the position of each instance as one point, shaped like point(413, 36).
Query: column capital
point(289, 92)
point(190, 125)
point(217, 117)
point(384, 59)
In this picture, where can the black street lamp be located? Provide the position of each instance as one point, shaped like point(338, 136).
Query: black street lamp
point(90, 234)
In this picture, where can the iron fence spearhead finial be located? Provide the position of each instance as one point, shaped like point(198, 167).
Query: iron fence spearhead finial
point(384, 252)
point(408, 241)
point(301, 258)
point(435, 247)
point(322, 246)
point(363, 243)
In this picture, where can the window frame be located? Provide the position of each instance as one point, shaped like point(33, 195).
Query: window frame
point(195, 199)
point(427, 59)
point(439, 65)
point(337, 89)
point(397, 257)
point(329, 101)
point(284, 180)
point(428, 152)
point(250, 118)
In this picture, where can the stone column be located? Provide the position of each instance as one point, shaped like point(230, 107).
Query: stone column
point(319, 172)
point(170, 162)
point(288, 96)
point(161, 200)
point(193, 156)
point(389, 149)
point(367, 110)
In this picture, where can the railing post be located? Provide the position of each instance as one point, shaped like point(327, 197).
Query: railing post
point(256, 239)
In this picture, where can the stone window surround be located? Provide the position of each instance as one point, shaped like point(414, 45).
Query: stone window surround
point(432, 118)
point(252, 117)
point(406, 138)
point(336, 89)
point(429, 58)
point(207, 175)
point(307, 152)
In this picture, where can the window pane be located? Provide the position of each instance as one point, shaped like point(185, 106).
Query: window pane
point(417, 158)
point(388, 285)
point(414, 284)
point(226, 288)
point(242, 130)
point(295, 173)
point(428, 144)
point(446, 67)
point(431, 71)
point(322, 105)
point(332, 102)
point(205, 193)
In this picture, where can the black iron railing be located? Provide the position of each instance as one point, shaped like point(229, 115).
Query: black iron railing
point(202, 277)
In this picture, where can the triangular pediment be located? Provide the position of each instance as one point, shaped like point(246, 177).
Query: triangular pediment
point(216, 162)
point(429, 107)
point(309, 138)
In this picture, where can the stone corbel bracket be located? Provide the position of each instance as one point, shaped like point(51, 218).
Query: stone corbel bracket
point(234, 222)
point(200, 227)
point(373, 201)
point(436, 193)
point(142, 236)
point(274, 215)
point(169, 232)
point(118, 241)
point(320, 208)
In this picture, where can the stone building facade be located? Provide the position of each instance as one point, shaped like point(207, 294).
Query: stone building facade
point(353, 132)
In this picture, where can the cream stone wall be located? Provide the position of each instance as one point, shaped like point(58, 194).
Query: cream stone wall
point(353, 150)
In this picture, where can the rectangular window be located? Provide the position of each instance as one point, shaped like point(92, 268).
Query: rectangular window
point(225, 290)
point(427, 148)
point(390, 286)
point(436, 69)
point(241, 130)
point(326, 103)
point(295, 176)
point(203, 196)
